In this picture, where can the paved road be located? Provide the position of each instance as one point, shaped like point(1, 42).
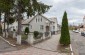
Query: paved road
point(50, 44)
point(78, 43)
point(5, 46)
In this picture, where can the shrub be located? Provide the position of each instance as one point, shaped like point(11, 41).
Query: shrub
point(65, 36)
point(26, 30)
point(36, 33)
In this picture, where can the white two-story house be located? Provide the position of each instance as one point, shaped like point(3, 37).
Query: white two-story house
point(40, 23)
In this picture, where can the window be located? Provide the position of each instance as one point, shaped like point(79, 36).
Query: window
point(30, 26)
point(16, 27)
point(53, 27)
point(41, 27)
point(36, 19)
point(41, 19)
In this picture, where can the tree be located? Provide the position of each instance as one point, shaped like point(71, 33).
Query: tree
point(65, 36)
point(0, 24)
point(5, 6)
point(31, 7)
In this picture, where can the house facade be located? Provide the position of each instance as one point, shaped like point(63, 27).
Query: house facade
point(38, 23)
point(41, 24)
point(83, 25)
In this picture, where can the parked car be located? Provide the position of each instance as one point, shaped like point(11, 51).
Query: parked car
point(73, 30)
point(76, 31)
point(83, 34)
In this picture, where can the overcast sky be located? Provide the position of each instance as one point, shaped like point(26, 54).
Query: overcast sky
point(75, 9)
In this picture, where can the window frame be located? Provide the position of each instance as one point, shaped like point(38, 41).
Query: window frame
point(41, 27)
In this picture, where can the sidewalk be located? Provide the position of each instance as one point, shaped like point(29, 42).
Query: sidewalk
point(50, 44)
point(48, 47)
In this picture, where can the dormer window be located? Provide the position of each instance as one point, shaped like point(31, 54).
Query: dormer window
point(41, 19)
point(36, 19)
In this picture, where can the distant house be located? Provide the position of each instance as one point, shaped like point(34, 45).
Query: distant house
point(11, 26)
point(82, 27)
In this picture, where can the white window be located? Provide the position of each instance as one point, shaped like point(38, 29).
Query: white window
point(41, 19)
point(30, 26)
point(36, 19)
point(16, 26)
point(41, 27)
point(53, 27)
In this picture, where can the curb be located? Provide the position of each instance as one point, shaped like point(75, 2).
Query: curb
point(71, 50)
point(7, 42)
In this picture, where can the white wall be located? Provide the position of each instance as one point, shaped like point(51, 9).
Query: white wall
point(14, 25)
point(36, 25)
point(54, 24)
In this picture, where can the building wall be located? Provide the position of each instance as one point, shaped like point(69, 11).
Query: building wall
point(35, 24)
point(13, 26)
point(23, 27)
point(54, 24)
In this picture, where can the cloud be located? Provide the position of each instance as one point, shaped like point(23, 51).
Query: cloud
point(75, 9)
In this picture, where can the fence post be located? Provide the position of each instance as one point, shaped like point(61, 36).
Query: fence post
point(6, 34)
point(30, 39)
point(19, 39)
point(3, 34)
point(49, 34)
point(43, 36)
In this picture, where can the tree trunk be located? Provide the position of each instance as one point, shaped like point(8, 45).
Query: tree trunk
point(19, 26)
point(5, 26)
point(7, 20)
point(8, 28)
point(19, 32)
point(0, 24)
point(19, 11)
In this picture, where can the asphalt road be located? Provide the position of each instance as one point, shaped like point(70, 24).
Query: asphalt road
point(5, 47)
point(78, 43)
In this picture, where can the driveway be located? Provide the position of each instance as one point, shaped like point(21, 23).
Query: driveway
point(48, 47)
point(78, 43)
